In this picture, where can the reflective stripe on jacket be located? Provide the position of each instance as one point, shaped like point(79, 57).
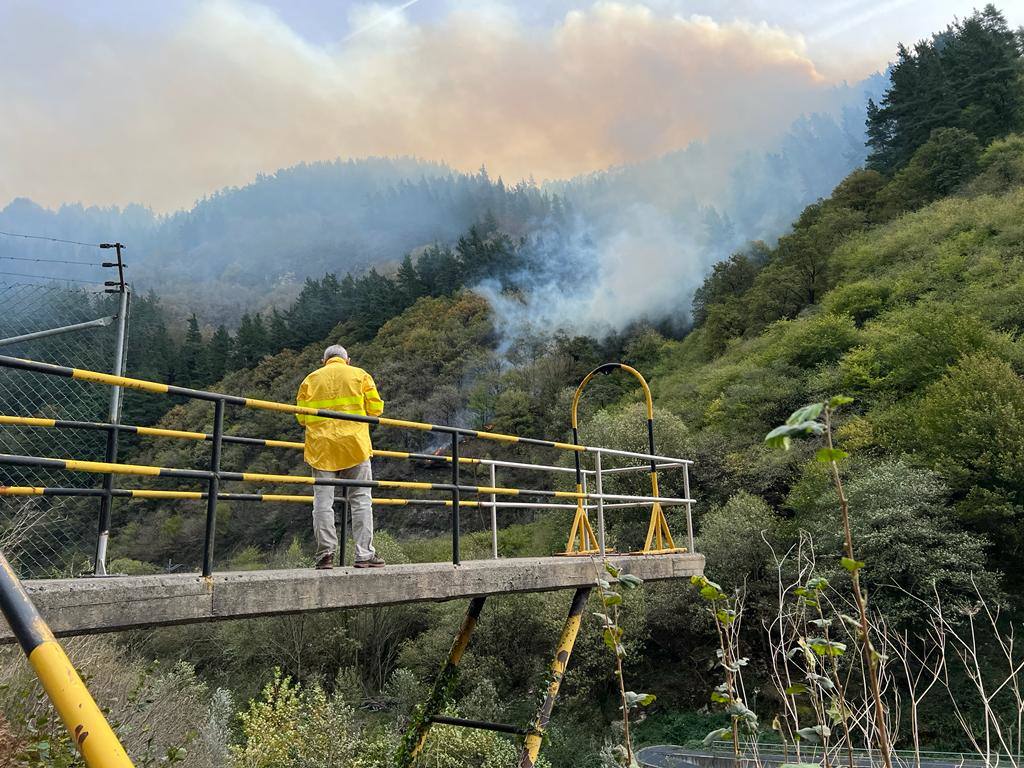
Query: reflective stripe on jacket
point(333, 444)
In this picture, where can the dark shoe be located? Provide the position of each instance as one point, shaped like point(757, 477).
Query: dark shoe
point(373, 562)
point(325, 562)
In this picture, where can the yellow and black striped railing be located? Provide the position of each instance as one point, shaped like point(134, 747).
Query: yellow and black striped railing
point(268, 405)
point(145, 470)
point(181, 434)
point(215, 474)
point(84, 720)
point(277, 498)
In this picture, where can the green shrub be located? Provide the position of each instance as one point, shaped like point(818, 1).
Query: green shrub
point(859, 191)
point(939, 167)
point(908, 349)
point(730, 537)
point(901, 523)
point(812, 341)
point(1001, 166)
point(861, 300)
point(294, 727)
point(686, 729)
point(969, 427)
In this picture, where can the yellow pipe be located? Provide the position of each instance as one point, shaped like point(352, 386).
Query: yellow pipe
point(535, 737)
point(27, 421)
point(416, 738)
point(403, 423)
point(15, 490)
point(258, 477)
point(649, 400)
point(659, 538)
point(118, 381)
point(249, 402)
point(285, 444)
point(139, 493)
point(85, 722)
point(179, 433)
point(498, 437)
point(571, 447)
point(102, 467)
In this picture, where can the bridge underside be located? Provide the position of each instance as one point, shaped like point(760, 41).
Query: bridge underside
point(92, 605)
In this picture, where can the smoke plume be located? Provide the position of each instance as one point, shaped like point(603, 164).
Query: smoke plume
point(161, 114)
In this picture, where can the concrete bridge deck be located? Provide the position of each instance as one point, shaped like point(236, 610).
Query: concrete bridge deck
point(93, 605)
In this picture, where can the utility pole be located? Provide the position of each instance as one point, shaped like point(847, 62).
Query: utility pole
point(114, 413)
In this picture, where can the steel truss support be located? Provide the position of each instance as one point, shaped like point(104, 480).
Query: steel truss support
point(416, 737)
point(535, 736)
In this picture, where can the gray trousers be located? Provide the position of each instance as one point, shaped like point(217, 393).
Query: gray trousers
point(360, 504)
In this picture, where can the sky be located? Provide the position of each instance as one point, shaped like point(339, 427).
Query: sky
point(113, 102)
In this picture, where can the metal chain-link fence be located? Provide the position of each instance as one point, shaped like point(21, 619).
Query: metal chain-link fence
point(47, 536)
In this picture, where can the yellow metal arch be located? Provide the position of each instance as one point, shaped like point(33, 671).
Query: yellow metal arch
point(581, 537)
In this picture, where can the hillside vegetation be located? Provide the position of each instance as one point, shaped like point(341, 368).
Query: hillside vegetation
point(902, 290)
point(917, 317)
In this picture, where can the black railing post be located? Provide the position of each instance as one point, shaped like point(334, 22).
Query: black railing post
point(344, 526)
point(214, 488)
point(456, 557)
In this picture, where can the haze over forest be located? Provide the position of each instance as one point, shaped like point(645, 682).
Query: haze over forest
point(671, 139)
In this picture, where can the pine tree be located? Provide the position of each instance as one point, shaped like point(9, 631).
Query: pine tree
point(965, 77)
point(218, 354)
point(984, 61)
point(192, 373)
point(260, 339)
point(407, 279)
point(250, 342)
point(278, 335)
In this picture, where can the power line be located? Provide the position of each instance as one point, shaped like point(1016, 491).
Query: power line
point(50, 261)
point(44, 277)
point(52, 239)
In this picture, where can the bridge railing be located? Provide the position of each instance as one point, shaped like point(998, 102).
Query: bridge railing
point(582, 499)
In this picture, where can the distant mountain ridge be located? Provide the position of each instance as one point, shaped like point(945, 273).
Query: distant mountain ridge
point(248, 247)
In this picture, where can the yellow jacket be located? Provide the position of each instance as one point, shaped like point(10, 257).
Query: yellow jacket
point(334, 444)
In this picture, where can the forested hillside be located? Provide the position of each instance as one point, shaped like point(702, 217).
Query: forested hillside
point(251, 248)
point(902, 289)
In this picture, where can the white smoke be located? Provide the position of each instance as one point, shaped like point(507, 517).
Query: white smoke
point(644, 236)
point(597, 281)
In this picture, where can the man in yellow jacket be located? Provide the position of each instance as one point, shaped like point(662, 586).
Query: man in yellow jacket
point(340, 449)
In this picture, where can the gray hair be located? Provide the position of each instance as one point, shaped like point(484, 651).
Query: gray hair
point(335, 350)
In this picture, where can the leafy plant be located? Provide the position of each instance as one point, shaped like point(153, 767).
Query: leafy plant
point(816, 420)
point(726, 611)
point(611, 600)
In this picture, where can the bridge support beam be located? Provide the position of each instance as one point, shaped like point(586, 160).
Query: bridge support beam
point(535, 736)
point(416, 736)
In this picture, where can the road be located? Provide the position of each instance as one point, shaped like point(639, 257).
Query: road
point(669, 756)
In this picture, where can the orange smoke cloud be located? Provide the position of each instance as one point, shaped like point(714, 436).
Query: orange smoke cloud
point(230, 91)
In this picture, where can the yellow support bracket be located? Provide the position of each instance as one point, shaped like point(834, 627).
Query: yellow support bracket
point(582, 540)
point(659, 537)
